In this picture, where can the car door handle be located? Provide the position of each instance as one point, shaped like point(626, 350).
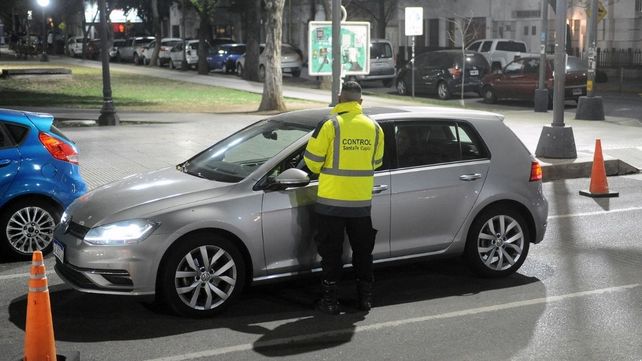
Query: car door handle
point(379, 188)
point(470, 177)
point(5, 162)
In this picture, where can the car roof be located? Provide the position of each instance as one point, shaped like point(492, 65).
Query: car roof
point(311, 117)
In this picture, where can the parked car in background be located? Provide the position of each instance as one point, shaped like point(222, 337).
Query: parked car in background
point(224, 57)
point(74, 46)
point(39, 178)
point(240, 62)
point(453, 182)
point(133, 49)
point(499, 52)
point(519, 79)
point(441, 72)
point(163, 54)
point(291, 61)
point(92, 49)
point(191, 54)
point(114, 52)
point(382, 63)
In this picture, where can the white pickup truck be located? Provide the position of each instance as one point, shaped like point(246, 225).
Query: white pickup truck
point(499, 52)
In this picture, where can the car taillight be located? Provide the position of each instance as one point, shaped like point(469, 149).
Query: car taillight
point(536, 172)
point(455, 72)
point(58, 149)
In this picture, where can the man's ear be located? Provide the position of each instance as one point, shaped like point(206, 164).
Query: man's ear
point(360, 101)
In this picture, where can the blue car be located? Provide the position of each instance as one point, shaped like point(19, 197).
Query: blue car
point(224, 57)
point(39, 178)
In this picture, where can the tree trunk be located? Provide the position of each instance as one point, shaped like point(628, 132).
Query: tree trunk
point(203, 69)
point(253, 28)
point(273, 86)
point(153, 60)
point(326, 81)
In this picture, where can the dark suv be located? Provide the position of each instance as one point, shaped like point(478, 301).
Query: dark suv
point(441, 72)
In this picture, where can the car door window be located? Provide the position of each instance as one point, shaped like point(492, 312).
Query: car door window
point(474, 46)
point(435, 142)
point(486, 46)
point(514, 68)
point(17, 133)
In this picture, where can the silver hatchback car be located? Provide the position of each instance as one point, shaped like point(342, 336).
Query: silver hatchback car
point(453, 182)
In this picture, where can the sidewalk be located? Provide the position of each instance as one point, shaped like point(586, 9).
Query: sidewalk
point(621, 137)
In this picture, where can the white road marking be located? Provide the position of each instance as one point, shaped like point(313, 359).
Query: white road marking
point(19, 275)
point(390, 324)
point(597, 213)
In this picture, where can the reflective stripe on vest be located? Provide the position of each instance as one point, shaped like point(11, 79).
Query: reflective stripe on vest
point(313, 157)
point(338, 203)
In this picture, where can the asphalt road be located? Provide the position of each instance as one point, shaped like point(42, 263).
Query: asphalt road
point(577, 297)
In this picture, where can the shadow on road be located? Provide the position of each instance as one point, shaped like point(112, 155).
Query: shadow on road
point(80, 317)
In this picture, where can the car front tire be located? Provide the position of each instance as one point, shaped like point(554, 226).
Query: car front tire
point(489, 95)
point(442, 91)
point(202, 275)
point(387, 83)
point(498, 242)
point(296, 73)
point(28, 226)
point(239, 70)
point(402, 87)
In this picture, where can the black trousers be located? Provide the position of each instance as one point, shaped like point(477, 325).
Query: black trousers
point(330, 237)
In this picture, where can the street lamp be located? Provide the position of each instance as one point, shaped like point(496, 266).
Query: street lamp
point(44, 4)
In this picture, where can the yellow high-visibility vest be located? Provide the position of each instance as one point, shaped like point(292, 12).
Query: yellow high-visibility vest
point(345, 150)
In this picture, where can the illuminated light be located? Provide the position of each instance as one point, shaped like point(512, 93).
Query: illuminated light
point(536, 172)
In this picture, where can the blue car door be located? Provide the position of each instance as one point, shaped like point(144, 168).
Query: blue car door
point(9, 160)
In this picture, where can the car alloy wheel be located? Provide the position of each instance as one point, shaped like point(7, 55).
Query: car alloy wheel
point(489, 95)
point(28, 227)
point(402, 89)
point(442, 91)
point(203, 274)
point(498, 242)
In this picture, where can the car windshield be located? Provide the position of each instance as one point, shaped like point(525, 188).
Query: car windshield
point(234, 158)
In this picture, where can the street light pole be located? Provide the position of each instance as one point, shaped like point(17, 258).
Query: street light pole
point(44, 4)
point(336, 51)
point(557, 141)
point(108, 115)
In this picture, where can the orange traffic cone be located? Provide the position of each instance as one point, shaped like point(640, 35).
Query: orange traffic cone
point(40, 344)
point(599, 187)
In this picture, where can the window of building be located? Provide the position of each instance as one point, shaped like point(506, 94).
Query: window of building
point(525, 30)
point(533, 30)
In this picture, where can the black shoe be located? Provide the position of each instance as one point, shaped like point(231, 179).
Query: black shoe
point(364, 295)
point(328, 303)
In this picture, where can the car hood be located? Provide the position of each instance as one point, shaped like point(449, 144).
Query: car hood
point(143, 195)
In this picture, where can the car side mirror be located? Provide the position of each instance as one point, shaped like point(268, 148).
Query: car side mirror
point(290, 178)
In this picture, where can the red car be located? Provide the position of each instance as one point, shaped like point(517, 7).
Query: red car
point(519, 79)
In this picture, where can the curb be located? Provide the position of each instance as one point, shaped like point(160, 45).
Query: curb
point(582, 169)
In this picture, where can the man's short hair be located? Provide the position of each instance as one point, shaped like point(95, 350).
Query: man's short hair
point(351, 91)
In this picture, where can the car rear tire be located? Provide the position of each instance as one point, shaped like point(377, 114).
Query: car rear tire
point(489, 95)
point(402, 87)
point(498, 242)
point(239, 70)
point(202, 275)
point(28, 226)
point(136, 59)
point(442, 91)
point(296, 73)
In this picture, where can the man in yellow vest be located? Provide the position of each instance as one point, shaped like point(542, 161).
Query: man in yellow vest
point(345, 150)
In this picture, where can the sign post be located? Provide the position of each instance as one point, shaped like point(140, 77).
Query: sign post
point(590, 107)
point(414, 26)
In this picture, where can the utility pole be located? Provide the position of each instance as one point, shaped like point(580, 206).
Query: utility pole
point(541, 94)
point(591, 107)
point(108, 115)
point(336, 51)
point(557, 141)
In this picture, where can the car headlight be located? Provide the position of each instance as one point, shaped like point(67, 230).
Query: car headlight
point(121, 233)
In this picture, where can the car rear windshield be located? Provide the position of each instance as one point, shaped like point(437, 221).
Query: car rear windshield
point(575, 64)
point(234, 158)
point(380, 50)
point(237, 50)
point(511, 46)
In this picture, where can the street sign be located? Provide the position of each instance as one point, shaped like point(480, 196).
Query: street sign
point(414, 21)
point(355, 48)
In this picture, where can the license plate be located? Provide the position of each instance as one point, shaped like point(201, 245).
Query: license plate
point(577, 91)
point(59, 251)
point(474, 72)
